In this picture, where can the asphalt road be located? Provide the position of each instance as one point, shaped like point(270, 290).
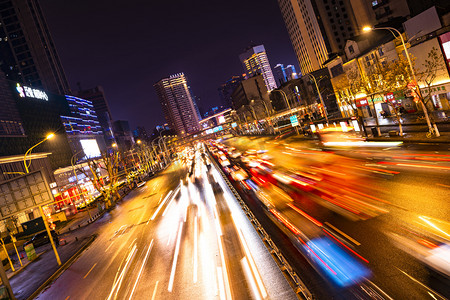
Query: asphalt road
point(175, 238)
point(402, 187)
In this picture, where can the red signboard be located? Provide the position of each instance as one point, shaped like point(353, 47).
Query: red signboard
point(362, 102)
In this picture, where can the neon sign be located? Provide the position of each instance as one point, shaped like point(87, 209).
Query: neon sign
point(26, 91)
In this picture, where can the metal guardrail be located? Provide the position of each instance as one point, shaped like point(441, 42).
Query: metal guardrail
point(295, 281)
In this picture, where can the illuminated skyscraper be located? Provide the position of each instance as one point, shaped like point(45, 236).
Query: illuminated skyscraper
point(255, 62)
point(177, 104)
point(28, 54)
point(305, 34)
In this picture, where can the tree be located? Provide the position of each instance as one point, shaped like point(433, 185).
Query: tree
point(347, 86)
point(427, 75)
point(107, 187)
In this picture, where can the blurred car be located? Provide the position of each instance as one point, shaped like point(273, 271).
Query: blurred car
point(426, 239)
point(41, 239)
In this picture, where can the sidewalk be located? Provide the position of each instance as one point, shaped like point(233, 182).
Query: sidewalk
point(414, 137)
point(79, 220)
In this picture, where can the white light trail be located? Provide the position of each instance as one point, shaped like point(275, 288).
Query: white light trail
point(175, 258)
point(140, 271)
point(195, 249)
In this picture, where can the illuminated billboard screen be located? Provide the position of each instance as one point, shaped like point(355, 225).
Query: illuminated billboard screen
point(233, 124)
point(221, 119)
point(90, 148)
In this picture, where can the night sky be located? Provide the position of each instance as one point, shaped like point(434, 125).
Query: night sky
point(127, 46)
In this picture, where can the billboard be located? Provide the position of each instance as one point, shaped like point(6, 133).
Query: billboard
point(90, 148)
point(22, 193)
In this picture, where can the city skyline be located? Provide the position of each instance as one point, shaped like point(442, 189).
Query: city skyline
point(100, 58)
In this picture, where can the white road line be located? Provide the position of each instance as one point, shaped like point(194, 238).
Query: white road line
point(154, 291)
point(175, 258)
point(140, 271)
point(109, 245)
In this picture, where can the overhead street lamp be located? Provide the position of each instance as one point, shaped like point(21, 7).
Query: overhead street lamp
point(392, 30)
point(49, 136)
point(80, 192)
point(320, 96)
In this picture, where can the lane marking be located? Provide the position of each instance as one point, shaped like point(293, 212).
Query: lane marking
point(154, 291)
point(140, 271)
point(175, 258)
point(344, 234)
point(67, 297)
point(89, 271)
point(423, 285)
point(109, 245)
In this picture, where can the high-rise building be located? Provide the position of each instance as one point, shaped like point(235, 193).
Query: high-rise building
point(123, 134)
point(226, 89)
point(306, 36)
point(27, 52)
point(97, 96)
point(279, 74)
point(255, 62)
point(284, 74)
point(178, 104)
point(318, 28)
point(82, 127)
point(290, 72)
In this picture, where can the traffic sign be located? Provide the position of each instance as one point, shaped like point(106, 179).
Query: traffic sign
point(294, 120)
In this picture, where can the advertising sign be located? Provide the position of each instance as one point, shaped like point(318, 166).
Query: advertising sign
point(233, 124)
point(22, 193)
point(362, 102)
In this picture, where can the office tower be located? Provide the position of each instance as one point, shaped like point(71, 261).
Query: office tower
point(97, 96)
point(27, 52)
point(279, 74)
point(82, 127)
point(123, 134)
point(178, 104)
point(255, 62)
point(226, 89)
point(290, 72)
point(305, 34)
point(284, 74)
point(318, 28)
point(10, 121)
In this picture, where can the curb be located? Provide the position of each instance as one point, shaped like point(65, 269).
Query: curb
point(62, 268)
point(23, 267)
point(411, 141)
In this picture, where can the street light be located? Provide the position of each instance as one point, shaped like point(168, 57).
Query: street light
point(49, 136)
point(392, 30)
point(80, 192)
point(320, 96)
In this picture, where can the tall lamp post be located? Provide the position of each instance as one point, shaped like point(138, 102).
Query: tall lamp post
point(72, 161)
point(320, 96)
point(392, 30)
point(49, 136)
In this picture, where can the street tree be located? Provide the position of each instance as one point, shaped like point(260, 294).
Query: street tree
point(427, 73)
point(107, 187)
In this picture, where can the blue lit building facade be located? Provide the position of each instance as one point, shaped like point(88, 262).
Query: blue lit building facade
point(83, 127)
